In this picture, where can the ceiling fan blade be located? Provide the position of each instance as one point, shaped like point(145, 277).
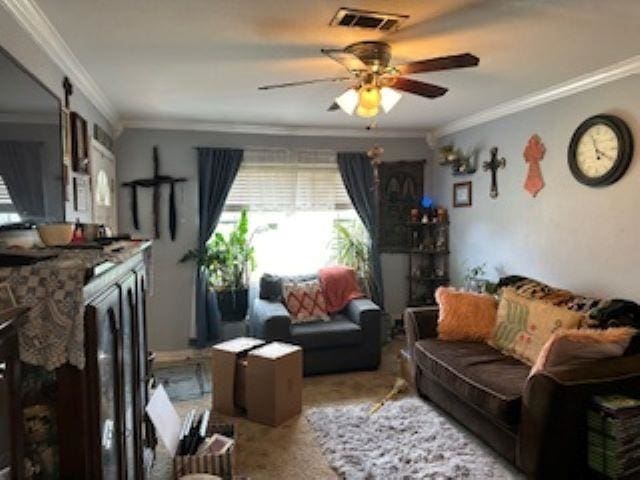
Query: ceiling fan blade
point(303, 82)
point(346, 59)
point(333, 107)
point(440, 63)
point(423, 89)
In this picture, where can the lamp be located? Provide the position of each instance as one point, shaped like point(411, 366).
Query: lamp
point(348, 101)
point(389, 98)
point(369, 96)
point(366, 112)
point(367, 100)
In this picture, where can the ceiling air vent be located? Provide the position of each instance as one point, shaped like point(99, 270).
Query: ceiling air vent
point(350, 17)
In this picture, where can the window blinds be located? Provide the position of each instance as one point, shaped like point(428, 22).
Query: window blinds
point(288, 180)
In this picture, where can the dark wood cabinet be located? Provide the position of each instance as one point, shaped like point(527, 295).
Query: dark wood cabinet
point(103, 435)
point(10, 412)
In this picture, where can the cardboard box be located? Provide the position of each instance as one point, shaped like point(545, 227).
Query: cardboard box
point(274, 383)
point(226, 376)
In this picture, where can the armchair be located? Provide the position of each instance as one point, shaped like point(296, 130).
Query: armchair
point(349, 341)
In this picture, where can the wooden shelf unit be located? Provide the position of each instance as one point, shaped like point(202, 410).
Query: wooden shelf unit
point(428, 251)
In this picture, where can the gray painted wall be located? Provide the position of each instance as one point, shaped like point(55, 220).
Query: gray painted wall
point(19, 44)
point(172, 300)
point(570, 235)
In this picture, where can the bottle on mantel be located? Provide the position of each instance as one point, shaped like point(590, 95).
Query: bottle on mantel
point(78, 233)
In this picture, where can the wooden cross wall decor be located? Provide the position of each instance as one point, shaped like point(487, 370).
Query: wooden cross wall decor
point(68, 91)
point(533, 155)
point(493, 165)
point(155, 183)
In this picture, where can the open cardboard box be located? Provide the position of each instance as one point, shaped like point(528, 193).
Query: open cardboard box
point(168, 425)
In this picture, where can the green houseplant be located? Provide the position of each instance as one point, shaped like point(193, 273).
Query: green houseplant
point(350, 245)
point(228, 261)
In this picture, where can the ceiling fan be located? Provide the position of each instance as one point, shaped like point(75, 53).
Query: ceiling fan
point(376, 83)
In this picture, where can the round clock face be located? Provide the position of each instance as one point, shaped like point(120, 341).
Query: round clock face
point(600, 150)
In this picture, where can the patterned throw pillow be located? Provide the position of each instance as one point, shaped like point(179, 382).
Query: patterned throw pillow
point(305, 301)
point(523, 325)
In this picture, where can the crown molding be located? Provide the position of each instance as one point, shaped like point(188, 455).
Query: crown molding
point(37, 25)
point(579, 84)
point(271, 129)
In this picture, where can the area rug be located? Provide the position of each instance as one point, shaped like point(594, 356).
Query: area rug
point(406, 439)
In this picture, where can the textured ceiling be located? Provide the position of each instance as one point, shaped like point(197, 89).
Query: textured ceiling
point(197, 60)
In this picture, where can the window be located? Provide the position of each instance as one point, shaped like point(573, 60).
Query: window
point(8, 213)
point(301, 195)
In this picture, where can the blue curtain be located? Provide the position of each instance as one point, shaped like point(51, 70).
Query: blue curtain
point(217, 169)
point(357, 174)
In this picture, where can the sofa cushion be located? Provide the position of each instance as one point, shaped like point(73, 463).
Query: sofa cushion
point(338, 332)
point(477, 373)
point(271, 285)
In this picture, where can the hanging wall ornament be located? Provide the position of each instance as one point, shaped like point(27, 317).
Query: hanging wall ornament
point(492, 166)
point(533, 154)
point(155, 183)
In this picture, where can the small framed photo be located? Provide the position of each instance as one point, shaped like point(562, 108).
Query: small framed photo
point(7, 300)
point(462, 194)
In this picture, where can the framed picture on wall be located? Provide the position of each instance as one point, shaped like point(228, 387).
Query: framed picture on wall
point(462, 192)
point(66, 135)
point(81, 193)
point(79, 144)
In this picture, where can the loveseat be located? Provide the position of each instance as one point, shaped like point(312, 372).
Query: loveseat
point(537, 422)
point(350, 340)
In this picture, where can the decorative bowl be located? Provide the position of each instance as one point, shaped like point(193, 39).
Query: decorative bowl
point(56, 234)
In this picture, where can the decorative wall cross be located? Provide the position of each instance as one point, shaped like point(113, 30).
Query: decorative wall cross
point(533, 154)
point(155, 183)
point(493, 165)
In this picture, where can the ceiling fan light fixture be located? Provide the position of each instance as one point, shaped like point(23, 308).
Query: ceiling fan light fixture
point(366, 112)
point(369, 96)
point(389, 98)
point(348, 101)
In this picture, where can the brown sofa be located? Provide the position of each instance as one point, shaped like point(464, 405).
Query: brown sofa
point(537, 423)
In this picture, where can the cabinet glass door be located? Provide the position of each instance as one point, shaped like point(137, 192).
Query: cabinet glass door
point(107, 329)
point(128, 291)
point(5, 422)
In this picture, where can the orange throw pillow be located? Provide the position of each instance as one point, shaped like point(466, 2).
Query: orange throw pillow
point(575, 346)
point(465, 316)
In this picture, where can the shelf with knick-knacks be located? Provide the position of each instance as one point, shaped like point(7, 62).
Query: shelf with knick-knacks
point(428, 260)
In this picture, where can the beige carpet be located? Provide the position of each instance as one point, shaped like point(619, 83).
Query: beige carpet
point(290, 451)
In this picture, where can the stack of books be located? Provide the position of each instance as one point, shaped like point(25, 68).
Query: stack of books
point(614, 436)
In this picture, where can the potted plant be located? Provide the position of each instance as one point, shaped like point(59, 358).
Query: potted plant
point(228, 261)
point(350, 245)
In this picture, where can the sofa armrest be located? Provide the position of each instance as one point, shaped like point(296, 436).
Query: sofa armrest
point(368, 315)
point(270, 321)
point(419, 323)
point(554, 413)
point(362, 310)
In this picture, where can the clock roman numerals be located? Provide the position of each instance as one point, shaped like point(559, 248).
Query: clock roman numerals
point(600, 151)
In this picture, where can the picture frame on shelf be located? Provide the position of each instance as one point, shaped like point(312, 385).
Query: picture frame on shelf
point(79, 144)
point(462, 194)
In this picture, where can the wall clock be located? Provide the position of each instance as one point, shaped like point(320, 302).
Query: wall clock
point(600, 151)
